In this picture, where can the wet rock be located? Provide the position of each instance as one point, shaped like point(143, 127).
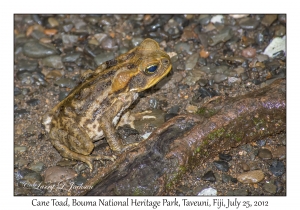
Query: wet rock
point(191, 61)
point(65, 82)
point(32, 178)
point(38, 167)
point(183, 46)
point(53, 22)
point(268, 19)
point(217, 19)
point(29, 65)
point(101, 58)
point(226, 178)
point(251, 177)
point(33, 102)
point(221, 165)
point(71, 57)
point(245, 167)
point(108, 43)
point(225, 157)
point(219, 78)
point(249, 52)
point(204, 19)
point(224, 35)
point(264, 154)
point(279, 152)
point(280, 30)
point(208, 191)
point(277, 44)
point(57, 174)
point(69, 39)
point(20, 149)
point(209, 176)
point(20, 112)
point(277, 168)
point(270, 187)
point(249, 23)
point(36, 49)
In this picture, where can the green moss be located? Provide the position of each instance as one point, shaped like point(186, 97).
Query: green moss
point(203, 111)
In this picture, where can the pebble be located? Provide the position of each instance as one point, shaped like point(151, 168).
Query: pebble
point(268, 20)
point(249, 23)
point(191, 61)
point(68, 27)
point(239, 70)
point(38, 167)
point(237, 16)
point(208, 192)
point(217, 19)
point(219, 78)
point(53, 22)
point(20, 112)
point(249, 52)
point(27, 65)
point(57, 174)
point(270, 187)
point(224, 35)
point(251, 177)
point(209, 176)
point(277, 168)
point(221, 165)
point(33, 102)
point(36, 49)
point(20, 149)
point(71, 57)
point(36, 34)
point(25, 77)
point(277, 44)
point(279, 152)
point(226, 157)
point(101, 58)
point(226, 178)
point(183, 46)
point(69, 39)
point(245, 167)
point(280, 31)
point(108, 43)
point(65, 82)
point(53, 61)
point(264, 154)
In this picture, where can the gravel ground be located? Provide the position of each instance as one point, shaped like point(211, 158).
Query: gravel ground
point(212, 55)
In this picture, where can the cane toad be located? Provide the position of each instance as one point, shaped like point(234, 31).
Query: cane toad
point(92, 110)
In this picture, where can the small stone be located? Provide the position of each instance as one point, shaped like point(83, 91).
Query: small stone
point(69, 39)
point(71, 57)
point(251, 177)
point(221, 165)
point(209, 176)
point(224, 35)
point(191, 61)
point(38, 167)
point(65, 82)
point(239, 70)
point(237, 192)
point(277, 168)
point(29, 65)
point(279, 152)
point(249, 52)
point(53, 61)
point(270, 187)
point(264, 154)
point(208, 191)
point(226, 178)
point(38, 50)
point(33, 102)
point(53, 22)
point(57, 174)
point(219, 78)
point(226, 157)
point(191, 109)
point(245, 167)
point(249, 23)
point(268, 20)
point(217, 19)
point(20, 149)
point(50, 32)
point(277, 44)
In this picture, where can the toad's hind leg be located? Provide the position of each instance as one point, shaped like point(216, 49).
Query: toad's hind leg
point(59, 140)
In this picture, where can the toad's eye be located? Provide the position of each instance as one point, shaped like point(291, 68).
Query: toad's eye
point(151, 69)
